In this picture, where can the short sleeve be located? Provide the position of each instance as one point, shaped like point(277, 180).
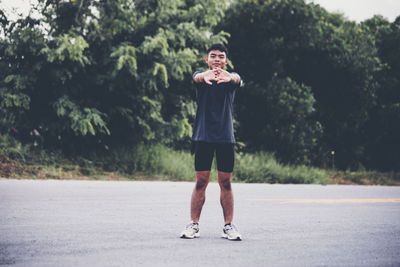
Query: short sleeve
point(194, 74)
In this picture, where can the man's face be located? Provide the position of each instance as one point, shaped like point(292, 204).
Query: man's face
point(216, 59)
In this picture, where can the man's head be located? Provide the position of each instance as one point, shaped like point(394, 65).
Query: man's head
point(217, 56)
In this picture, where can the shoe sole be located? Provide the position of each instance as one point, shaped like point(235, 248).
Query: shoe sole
point(196, 235)
point(238, 238)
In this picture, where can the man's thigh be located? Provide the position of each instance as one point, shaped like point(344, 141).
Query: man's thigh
point(225, 154)
point(203, 156)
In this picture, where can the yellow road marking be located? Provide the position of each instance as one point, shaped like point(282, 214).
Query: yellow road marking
point(329, 200)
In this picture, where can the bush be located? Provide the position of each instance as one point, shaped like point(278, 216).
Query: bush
point(154, 160)
point(147, 162)
point(262, 167)
point(10, 148)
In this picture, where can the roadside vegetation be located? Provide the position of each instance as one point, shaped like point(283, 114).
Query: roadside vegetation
point(158, 162)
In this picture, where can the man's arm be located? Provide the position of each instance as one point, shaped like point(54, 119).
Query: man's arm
point(226, 77)
point(235, 78)
point(218, 75)
point(206, 77)
point(199, 78)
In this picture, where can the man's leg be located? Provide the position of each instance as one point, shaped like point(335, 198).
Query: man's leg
point(199, 194)
point(229, 231)
point(226, 197)
point(203, 157)
point(226, 161)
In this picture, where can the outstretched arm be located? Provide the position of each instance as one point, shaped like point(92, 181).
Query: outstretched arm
point(206, 77)
point(226, 77)
point(218, 75)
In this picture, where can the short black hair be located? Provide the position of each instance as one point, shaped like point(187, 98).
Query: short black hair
point(219, 47)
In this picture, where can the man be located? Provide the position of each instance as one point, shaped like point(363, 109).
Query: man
point(213, 132)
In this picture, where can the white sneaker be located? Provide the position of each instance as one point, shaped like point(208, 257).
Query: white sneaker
point(230, 232)
point(191, 231)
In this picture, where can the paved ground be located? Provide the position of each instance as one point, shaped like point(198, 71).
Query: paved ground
point(95, 223)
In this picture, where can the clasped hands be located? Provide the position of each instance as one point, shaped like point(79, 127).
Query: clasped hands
point(219, 75)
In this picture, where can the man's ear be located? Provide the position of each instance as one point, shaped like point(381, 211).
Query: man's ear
point(207, 59)
point(226, 62)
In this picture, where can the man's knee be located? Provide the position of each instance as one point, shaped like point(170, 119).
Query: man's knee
point(224, 180)
point(202, 179)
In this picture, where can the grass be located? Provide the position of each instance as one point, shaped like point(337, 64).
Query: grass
point(365, 177)
point(158, 162)
point(262, 167)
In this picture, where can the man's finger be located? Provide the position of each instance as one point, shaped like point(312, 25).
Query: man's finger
point(208, 80)
point(222, 80)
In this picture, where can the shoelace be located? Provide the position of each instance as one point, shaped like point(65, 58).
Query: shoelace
point(192, 226)
point(230, 227)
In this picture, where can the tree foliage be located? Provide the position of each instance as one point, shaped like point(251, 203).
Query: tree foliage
point(92, 74)
point(102, 71)
point(383, 127)
point(336, 59)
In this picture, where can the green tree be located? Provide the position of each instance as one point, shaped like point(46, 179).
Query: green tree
point(115, 72)
point(275, 112)
point(20, 63)
point(383, 127)
point(279, 117)
point(333, 57)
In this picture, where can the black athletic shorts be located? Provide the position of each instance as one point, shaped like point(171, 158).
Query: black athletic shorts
point(204, 154)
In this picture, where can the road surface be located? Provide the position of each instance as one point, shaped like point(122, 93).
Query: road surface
point(114, 223)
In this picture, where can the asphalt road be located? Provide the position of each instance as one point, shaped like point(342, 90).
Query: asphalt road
point(105, 223)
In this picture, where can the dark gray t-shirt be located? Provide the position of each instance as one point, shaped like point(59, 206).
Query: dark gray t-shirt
point(214, 117)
